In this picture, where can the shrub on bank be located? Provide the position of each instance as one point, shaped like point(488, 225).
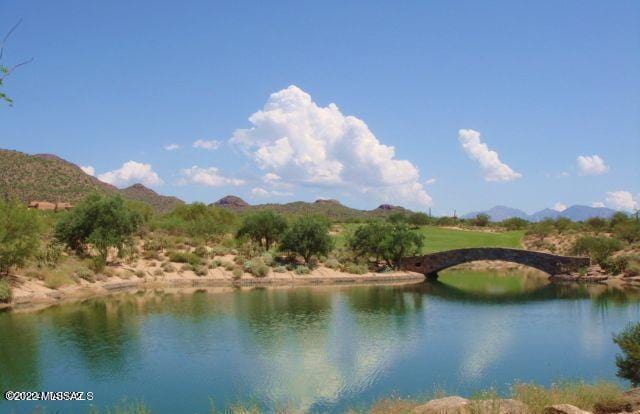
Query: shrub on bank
point(86, 274)
point(301, 270)
point(237, 273)
point(5, 291)
point(20, 230)
point(256, 267)
point(598, 249)
point(356, 268)
point(183, 257)
point(629, 362)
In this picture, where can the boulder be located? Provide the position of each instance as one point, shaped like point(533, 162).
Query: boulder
point(447, 405)
point(564, 409)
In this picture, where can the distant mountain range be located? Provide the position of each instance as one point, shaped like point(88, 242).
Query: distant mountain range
point(330, 208)
point(575, 213)
point(47, 177)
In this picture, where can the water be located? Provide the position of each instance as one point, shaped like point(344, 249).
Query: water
point(320, 349)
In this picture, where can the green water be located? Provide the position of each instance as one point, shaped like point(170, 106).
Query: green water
point(317, 349)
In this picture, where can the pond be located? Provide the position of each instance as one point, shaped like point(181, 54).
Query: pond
point(316, 349)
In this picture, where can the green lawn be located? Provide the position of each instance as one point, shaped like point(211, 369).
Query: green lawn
point(438, 238)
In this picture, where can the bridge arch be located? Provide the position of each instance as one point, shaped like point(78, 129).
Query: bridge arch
point(431, 264)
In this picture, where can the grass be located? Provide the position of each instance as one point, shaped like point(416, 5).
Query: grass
point(439, 238)
point(5, 291)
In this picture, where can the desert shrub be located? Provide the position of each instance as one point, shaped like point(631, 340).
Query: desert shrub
point(446, 221)
point(355, 268)
point(397, 217)
point(628, 231)
point(618, 218)
point(249, 249)
point(186, 267)
point(264, 228)
point(5, 291)
point(49, 255)
point(514, 223)
point(267, 258)
point(20, 230)
point(86, 274)
point(103, 222)
point(184, 257)
point(562, 224)
point(158, 272)
point(140, 273)
point(615, 265)
point(481, 220)
point(33, 274)
point(168, 267)
point(201, 271)
point(633, 266)
point(308, 236)
point(596, 224)
point(219, 250)
point(301, 270)
point(598, 249)
point(56, 280)
point(256, 267)
point(237, 273)
point(201, 251)
point(229, 266)
point(332, 263)
point(150, 255)
point(585, 396)
point(280, 269)
point(97, 263)
point(541, 229)
point(629, 362)
point(419, 219)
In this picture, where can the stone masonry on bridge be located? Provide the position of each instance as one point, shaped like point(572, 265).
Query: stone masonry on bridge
point(552, 264)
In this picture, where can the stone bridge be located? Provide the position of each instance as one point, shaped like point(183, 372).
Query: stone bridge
point(431, 264)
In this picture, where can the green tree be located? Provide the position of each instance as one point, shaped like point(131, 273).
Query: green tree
point(307, 237)
point(103, 222)
point(367, 240)
point(597, 248)
point(541, 229)
point(629, 363)
point(265, 228)
point(618, 218)
point(628, 231)
point(399, 242)
point(397, 217)
point(20, 230)
point(419, 219)
point(562, 224)
point(481, 220)
point(197, 220)
point(596, 224)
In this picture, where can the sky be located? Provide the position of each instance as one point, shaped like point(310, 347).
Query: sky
point(449, 106)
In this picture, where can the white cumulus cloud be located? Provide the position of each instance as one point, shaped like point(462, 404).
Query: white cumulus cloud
point(88, 169)
point(430, 181)
point(306, 144)
point(209, 176)
point(208, 145)
point(622, 200)
point(172, 147)
point(597, 204)
point(494, 169)
point(559, 207)
point(591, 165)
point(261, 192)
point(131, 172)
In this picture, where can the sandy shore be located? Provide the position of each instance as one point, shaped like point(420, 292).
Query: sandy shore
point(32, 293)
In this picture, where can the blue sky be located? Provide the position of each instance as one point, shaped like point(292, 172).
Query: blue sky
point(443, 83)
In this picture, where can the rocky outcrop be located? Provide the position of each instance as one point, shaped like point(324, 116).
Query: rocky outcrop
point(564, 409)
point(593, 274)
point(231, 201)
point(459, 405)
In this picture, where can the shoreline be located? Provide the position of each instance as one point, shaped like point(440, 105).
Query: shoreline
point(31, 295)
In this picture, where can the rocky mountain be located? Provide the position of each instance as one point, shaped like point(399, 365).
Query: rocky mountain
point(330, 208)
point(47, 177)
point(575, 213)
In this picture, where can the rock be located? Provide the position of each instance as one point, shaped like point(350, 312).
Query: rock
point(448, 405)
point(508, 406)
point(630, 403)
point(564, 409)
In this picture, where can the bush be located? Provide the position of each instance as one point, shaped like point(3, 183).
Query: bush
point(280, 269)
point(633, 266)
point(629, 362)
point(596, 224)
point(267, 258)
point(308, 236)
point(481, 220)
point(390, 242)
point(201, 271)
point(541, 229)
point(50, 255)
point(356, 268)
point(629, 231)
point(168, 267)
point(615, 265)
point(5, 291)
point(183, 257)
point(220, 251)
point(562, 224)
point(514, 223)
point(56, 280)
point(419, 219)
point(201, 252)
point(598, 249)
point(228, 266)
point(158, 272)
point(20, 230)
point(301, 270)
point(214, 264)
point(197, 220)
point(264, 228)
point(332, 263)
point(237, 273)
point(103, 222)
point(256, 267)
point(140, 273)
point(86, 274)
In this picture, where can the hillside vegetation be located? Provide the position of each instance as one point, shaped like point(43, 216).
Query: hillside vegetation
point(46, 177)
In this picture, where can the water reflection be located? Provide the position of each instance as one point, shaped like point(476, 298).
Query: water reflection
point(320, 349)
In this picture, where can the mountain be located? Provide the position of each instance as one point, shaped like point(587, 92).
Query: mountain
point(47, 177)
point(581, 213)
point(330, 208)
point(575, 213)
point(161, 203)
point(499, 213)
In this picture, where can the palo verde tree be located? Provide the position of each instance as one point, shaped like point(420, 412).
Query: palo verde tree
point(388, 241)
point(5, 71)
point(100, 221)
point(308, 237)
point(20, 230)
point(629, 362)
point(265, 228)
